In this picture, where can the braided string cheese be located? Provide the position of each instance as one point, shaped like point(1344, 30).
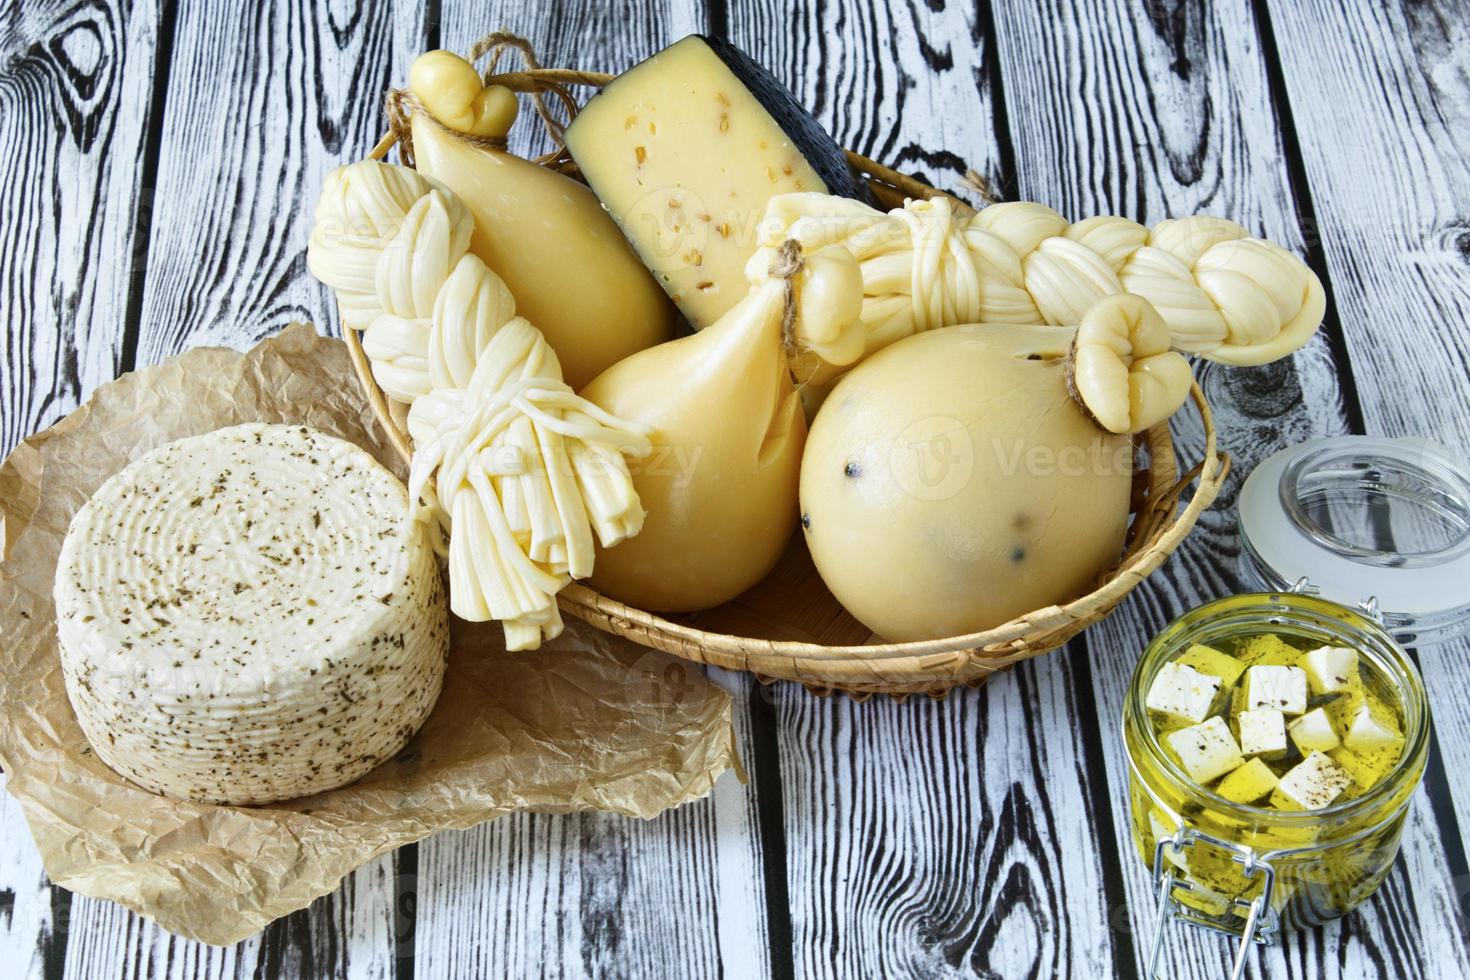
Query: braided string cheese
point(1223, 294)
point(523, 471)
point(385, 237)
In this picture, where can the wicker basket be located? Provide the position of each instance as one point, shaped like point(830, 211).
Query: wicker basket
point(790, 626)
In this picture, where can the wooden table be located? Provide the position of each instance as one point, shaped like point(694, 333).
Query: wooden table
point(161, 165)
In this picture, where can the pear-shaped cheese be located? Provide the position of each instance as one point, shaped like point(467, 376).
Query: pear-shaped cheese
point(719, 488)
point(567, 265)
point(950, 484)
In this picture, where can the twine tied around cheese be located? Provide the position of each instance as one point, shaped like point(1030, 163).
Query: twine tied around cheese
point(785, 265)
point(401, 104)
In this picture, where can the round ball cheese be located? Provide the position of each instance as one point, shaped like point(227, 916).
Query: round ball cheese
point(249, 615)
point(950, 484)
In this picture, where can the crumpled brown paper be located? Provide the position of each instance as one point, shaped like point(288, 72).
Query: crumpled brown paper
point(589, 722)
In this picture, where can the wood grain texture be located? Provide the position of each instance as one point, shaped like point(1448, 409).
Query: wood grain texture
point(571, 895)
point(584, 894)
point(945, 838)
point(1383, 135)
point(262, 101)
point(927, 838)
point(76, 82)
point(346, 934)
point(75, 94)
point(1170, 111)
point(984, 836)
point(1383, 126)
point(32, 934)
point(596, 895)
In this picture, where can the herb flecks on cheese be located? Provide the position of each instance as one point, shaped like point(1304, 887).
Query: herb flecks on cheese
point(247, 616)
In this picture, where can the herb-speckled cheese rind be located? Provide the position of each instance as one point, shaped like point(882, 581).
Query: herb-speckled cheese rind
point(247, 616)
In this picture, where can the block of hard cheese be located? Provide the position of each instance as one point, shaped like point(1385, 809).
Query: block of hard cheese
point(685, 149)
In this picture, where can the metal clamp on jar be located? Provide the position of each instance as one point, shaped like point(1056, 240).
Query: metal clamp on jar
point(1356, 542)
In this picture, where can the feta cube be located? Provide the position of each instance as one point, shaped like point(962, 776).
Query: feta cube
point(1312, 784)
point(1330, 669)
point(1248, 783)
point(1183, 693)
point(1262, 732)
point(1313, 732)
point(1207, 750)
point(1208, 660)
point(1373, 726)
point(1282, 688)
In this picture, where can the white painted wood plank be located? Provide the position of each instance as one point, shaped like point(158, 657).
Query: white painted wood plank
point(75, 96)
point(1383, 126)
point(30, 933)
point(346, 934)
point(943, 838)
point(574, 895)
point(588, 895)
point(263, 100)
point(75, 93)
point(1172, 116)
point(927, 838)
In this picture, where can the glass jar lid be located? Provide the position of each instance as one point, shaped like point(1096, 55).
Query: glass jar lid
point(1379, 523)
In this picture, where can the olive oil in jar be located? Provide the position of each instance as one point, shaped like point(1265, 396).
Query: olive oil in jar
point(1299, 815)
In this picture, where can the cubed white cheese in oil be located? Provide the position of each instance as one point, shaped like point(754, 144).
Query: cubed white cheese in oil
point(1312, 784)
point(1183, 693)
point(1313, 732)
point(1373, 727)
point(1282, 688)
point(1262, 733)
point(1207, 750)
point(1330, 669)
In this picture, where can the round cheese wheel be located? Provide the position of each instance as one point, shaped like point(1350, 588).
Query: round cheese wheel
point(248, 616)
point(950, 484)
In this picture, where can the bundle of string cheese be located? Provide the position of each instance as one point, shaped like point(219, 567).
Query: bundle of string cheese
point(526, 469)
point(523, 470)
point(1223, 294)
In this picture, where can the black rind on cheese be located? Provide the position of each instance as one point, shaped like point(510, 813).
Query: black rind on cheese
point(814, 143)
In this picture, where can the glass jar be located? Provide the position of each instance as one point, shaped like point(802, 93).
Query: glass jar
point(1254, 870)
